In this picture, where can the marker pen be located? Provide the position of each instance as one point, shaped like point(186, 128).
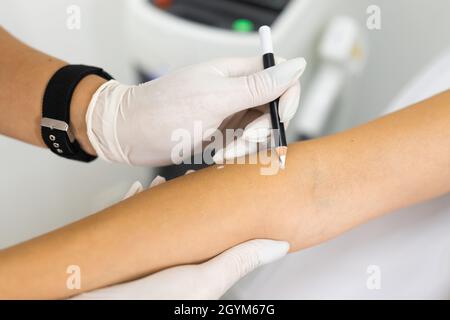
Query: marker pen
point(281, 146)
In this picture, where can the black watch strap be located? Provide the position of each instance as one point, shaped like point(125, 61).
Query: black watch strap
point(55, 123)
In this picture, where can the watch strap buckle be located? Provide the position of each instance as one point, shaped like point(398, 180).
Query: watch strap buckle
point(60, 125)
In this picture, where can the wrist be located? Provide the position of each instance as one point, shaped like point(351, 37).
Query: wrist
point(295, 217)
point(78, 107)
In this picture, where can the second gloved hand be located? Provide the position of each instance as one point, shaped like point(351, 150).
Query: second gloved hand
point(208, 280)
point(134, 124)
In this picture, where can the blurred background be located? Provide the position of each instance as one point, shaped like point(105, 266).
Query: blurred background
point(354, 70)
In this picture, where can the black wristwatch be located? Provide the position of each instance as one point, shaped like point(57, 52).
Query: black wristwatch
point(55, 123)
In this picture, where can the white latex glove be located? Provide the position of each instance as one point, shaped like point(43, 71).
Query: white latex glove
point(134, 124)
point(209, 280)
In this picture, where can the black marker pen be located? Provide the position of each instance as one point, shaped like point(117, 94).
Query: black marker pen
point(281, 147)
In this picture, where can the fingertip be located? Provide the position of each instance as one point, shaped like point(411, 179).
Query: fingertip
point(296, 65)
point(239, 148)
point(135, 188)
point(218, 156)
point(272, 250)
point(258, 130)
point(289, 103)
point(157, 181)
point(287, 73)
point(301, 65)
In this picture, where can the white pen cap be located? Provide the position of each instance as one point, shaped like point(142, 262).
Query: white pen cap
point(265, 34)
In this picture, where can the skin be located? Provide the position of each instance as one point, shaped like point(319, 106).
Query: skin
point(26, 70)
point(330, 185)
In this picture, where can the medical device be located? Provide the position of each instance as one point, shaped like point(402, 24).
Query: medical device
point(342, 51)
point(238, 15)
point(164, 35)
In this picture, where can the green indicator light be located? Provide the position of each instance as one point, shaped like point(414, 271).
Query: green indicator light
point(243, 25)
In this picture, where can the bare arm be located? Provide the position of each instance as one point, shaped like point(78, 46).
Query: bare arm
point(24, 74)
point(330, 186)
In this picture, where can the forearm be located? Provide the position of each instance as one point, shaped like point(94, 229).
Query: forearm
point(390, 163)
point(186, 220)
point(24, 74)
point(329, 186)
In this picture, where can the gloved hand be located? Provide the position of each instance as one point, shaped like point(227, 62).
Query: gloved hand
point(134, 124)
point(209, 280)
